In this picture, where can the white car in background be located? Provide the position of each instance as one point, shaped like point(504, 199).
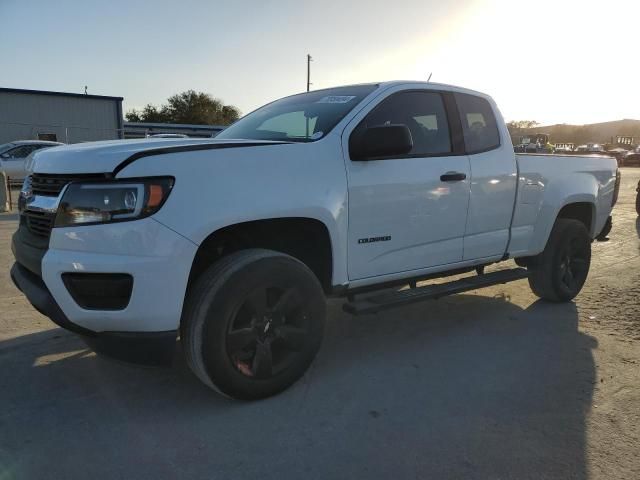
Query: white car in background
point(168, 135)
point(13, 156)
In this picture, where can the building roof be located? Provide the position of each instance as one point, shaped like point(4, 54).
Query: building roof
point(179, 126)
point(34, 142)
point(60, 94)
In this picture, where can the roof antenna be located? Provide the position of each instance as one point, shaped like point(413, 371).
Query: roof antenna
point(85, 88)
point(429, 79)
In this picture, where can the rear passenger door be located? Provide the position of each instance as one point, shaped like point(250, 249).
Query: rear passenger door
point(405, 214)
point(493, 177)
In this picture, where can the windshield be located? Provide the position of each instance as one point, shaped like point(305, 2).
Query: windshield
point(300, 118)
point(5, 146)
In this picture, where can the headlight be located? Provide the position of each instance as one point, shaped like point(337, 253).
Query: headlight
point(114, 201)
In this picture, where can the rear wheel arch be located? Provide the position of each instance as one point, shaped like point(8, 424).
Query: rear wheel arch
point(584, 212)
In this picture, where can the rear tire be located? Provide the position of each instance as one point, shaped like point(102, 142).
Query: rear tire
point(560, 271)
point(253, 323)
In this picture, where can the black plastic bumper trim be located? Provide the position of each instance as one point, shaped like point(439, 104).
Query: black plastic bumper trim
point(99, 291)
point(39, 296)
point(28, 255)
point(146, 348)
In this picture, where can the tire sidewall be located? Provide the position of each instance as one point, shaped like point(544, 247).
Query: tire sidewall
point(220, 306)
point(566, 237)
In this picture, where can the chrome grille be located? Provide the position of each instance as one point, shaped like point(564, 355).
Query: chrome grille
point(51, 185)
point(38, 223)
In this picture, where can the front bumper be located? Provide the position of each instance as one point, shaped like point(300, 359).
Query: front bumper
point(148, 348)
point(158, 259)
point(159, 262)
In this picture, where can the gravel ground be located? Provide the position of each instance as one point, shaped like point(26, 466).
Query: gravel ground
point(490, 384)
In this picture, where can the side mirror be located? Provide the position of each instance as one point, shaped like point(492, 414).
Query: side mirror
point(5, 155)
point(381, 141)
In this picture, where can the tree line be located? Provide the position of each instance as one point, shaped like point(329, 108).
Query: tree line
point(188, 107)
point(578, 134)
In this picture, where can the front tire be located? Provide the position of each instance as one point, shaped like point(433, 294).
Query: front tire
point(253, 323)
point(638, 201)
point(560, 271)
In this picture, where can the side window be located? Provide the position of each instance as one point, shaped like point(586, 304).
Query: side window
point(479, 125)
point(423, 112)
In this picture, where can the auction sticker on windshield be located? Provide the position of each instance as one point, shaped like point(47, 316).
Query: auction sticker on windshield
point(337, 99)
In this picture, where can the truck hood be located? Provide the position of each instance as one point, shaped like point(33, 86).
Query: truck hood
point(104, 157)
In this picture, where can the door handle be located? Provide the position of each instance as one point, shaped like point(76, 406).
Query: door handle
point(453, 177)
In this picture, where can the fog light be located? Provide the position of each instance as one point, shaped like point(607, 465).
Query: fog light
point(99, 291)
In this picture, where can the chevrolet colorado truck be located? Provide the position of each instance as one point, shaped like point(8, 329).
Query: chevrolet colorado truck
point(234, 244)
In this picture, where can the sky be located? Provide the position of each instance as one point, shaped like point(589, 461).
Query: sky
point(553, 61)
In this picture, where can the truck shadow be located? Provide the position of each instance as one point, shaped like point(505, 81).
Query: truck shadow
point(465, 387)
point(9, 217)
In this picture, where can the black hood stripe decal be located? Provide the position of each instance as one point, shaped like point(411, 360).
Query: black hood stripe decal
point(188, 148)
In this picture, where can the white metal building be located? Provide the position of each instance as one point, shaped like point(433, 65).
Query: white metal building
point(58, 116)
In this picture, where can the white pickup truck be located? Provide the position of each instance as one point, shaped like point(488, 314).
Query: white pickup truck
point(234, 243)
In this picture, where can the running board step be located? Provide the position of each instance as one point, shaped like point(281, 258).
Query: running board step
point(384, 301)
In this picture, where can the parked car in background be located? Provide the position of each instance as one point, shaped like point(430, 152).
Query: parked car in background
point(168, 135)
point(13, 156)
point(564, 147)
point(590, 148)
point(632, 160)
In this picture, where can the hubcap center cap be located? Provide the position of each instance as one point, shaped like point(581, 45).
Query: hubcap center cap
point(267, 326)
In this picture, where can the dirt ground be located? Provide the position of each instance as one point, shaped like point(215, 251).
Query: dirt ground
point(490, 384)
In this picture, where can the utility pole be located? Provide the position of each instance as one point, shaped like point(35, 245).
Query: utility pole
point(309, 60)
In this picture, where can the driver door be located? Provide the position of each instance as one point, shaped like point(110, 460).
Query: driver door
point(408, 212)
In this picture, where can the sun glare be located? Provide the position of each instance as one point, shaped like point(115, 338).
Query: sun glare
point(550, 61)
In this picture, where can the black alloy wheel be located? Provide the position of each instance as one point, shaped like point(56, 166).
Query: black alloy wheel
point(268, 332)
point(253, 323)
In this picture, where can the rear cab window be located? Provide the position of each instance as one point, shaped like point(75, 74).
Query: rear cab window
point(479, 125)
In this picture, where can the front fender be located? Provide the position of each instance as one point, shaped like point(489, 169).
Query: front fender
point(215, 189)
